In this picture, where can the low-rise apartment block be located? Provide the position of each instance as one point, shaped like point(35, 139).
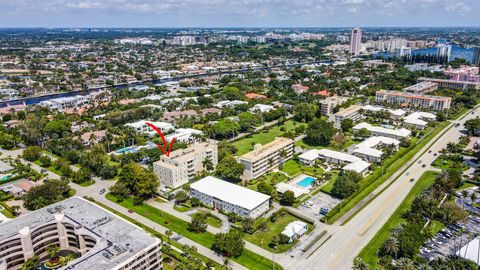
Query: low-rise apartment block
point(142, 127)
point(352, 112)
point(183, 164)
point(452, 84)
point(421, 87)
point(228, 197)
point(102, 240)
point(393, 133)
point(436, 103)
point(263, 158)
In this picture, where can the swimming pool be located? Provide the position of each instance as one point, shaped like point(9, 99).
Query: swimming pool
point(306, 182)
point(124, 150)
point(5, 177)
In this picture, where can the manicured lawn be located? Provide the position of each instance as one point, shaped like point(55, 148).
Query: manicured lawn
point(154, 233)
point(212, 220)
point(269, 178)
point(444, 162)
point(292, 168)
point(248, 259)
point(88, 183)
point(466, 185)
point(245, 145)
point(263, 237)
point(373, 181)
point(181, 208)
point(51, 168)
point(368, 254)
point(328, 187)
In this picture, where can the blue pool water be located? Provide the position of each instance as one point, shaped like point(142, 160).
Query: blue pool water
point(123, 150)
point(5, 177)
point(306, 182)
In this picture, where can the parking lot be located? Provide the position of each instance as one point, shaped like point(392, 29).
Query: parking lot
point(450, 239)
point(312, 206)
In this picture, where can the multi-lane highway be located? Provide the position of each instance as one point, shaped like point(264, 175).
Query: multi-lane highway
point(347, 241)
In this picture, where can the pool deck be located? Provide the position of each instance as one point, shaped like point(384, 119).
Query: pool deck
point(299, 178)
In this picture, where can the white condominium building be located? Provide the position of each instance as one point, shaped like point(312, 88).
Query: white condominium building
point(370, 149)
point(356, 41)
point(352, 112)
point(419, 120)
point(327, 105)
point(228, 197)
point(414, 100)
point(263, 158)
point(102, 240)
point(452, 84)
point(142, 127)
point(183, 164)
point(382, 131)
point(349, 162)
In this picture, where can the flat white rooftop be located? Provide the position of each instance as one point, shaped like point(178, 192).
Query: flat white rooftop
point(230, 193)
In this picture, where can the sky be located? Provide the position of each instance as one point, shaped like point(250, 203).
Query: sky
point(243, 13)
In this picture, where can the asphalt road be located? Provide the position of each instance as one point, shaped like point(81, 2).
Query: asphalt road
point(347, 241)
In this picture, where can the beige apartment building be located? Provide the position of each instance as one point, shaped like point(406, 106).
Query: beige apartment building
point(436, 103)
point(183, 164)
point(352, 112)
point(263, 158)
point(327, 105)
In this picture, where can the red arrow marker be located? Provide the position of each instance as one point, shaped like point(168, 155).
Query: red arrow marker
point(166, 150)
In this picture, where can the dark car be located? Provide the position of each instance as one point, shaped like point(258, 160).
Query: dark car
point(424, 165)
point(130, 211)
point(412, 179)
point(102, 191)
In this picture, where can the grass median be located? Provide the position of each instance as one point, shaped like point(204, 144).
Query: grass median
point(349, 203)
point(248, 259)
point(368, 254)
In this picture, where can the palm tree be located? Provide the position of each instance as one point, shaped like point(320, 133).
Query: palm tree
point(405, 264)
point(169, 234)
point(53, 251)
point(283, 154)
point(391, 247)
point(207, 164)
point(226, 263)
point(359, 264)
point(270, 163)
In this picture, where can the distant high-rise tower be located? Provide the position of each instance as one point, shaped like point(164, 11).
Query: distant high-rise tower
point(356, 41)
point(444, 51)
point(476, 58)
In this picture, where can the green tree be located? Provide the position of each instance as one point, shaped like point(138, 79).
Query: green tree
point(247, 121)
point(265, 188)
point(208, 165)
point(230, 169)
point(390, 247)
point(197, 224)
point(53, 251)
point(346, 124)
point(45, 160)
point(32, 263)
point(473, 126)
point(226, 128)
point(58, 128)
point(32, 153)
point(229, 244)
point(181, 197)
point(139, 181)
point(305, 112)
point(320, 132)
point(287, 198)
point(346, 184)
point(49, 192)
